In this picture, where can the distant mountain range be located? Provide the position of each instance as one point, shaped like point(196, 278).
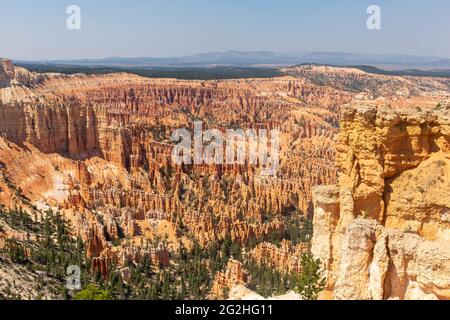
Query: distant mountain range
point(264, 59)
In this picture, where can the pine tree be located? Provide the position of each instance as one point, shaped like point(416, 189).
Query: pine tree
point(310, 282)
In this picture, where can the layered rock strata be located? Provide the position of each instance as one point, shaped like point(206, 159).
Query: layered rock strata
point(383, 232)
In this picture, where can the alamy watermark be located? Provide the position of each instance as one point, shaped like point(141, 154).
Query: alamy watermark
point(73, 280)
point(374, 19)
point(73, 22)
point(259, 147)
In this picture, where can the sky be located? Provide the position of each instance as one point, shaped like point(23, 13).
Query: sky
point(36, 30)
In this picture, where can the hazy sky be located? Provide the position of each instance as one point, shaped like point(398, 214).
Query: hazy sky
point(31, 29)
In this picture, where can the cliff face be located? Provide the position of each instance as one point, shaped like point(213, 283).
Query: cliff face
point(384, 232)
point(65, 128)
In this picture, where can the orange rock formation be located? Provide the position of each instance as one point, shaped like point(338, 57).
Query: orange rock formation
point(383, 232)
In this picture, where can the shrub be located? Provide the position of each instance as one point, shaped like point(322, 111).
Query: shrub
point(92, 292)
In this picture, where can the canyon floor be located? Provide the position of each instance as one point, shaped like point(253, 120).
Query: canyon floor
point(87, 179)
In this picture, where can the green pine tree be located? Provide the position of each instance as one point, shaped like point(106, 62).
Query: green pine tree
point(310, 282)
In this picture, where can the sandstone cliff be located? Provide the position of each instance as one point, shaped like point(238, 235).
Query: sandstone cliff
point(384, 232)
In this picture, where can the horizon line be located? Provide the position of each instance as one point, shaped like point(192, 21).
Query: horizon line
point(291, 52)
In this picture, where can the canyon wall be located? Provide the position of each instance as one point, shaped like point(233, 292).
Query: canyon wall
point(97, 149)
point(384, 231)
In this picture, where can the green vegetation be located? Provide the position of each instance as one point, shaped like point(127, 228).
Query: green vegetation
point(267, 281)
point(216, 73)
point(17, 253)
point(311, 281)
point(50, 249)
point(93, 292)
point(18, 219)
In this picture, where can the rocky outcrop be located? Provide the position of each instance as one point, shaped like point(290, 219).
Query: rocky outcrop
point(234, 275)
point(18, 82)
point(383, 232)
point(284, 258)
point(241, 292)
point(6, 73)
